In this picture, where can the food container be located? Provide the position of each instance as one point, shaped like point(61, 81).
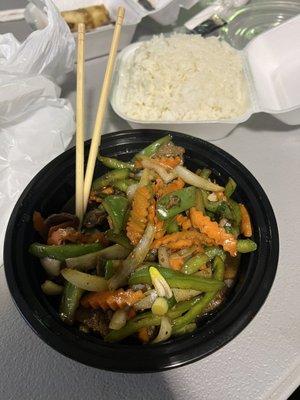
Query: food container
point(271, 64)
point(55, 185)
point(98, 40)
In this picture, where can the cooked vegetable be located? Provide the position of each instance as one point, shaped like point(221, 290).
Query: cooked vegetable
point(118, 320)
point(135, 258)
point(116, 208)
point(63, 252)
point(193, 179)
point(176, 279)
point(115, 300)
point(84, 281)
point(89, 261)
point(194, 264)
point(246, 227)
point(138, 216)
point(230, 187)
point(51, 266)
point(174, 203)
point(114, 163)
point(159, 247)
point(165, 331)
point(153, 147)
point(160, 284)
point(110, 177)
point(51, 289)
point(214, 231)
point(195, 311)
point(69, 302)
point(160, 306)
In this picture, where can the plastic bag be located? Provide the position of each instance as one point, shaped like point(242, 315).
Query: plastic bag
point(35, 124)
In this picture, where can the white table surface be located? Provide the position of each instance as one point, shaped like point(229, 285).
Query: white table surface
point(263, 362)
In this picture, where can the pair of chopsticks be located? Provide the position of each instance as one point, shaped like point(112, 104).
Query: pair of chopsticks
point(84, 181)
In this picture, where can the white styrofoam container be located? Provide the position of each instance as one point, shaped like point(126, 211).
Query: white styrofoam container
point(272, 70)
point(98, 40)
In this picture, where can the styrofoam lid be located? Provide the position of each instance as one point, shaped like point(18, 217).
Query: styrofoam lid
point(274, 62)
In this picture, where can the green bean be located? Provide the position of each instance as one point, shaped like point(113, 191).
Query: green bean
point(214, 251)
point(176, 279)
point(230, 187)
point(153, 147)
point(246, 246)
point(236, 212)
point(69, 302)
point(123, 184)
point(182, 307)
point(205, 173)
point(186, 329)
point(217, 207)
point(132, 327)
point(109, 178)
point(62, 252)
point(196, 310)
point(171, 204)
point(193, 264)
point(114, 163)
point(111, 267)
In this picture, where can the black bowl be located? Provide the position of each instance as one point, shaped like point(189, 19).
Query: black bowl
point(50, 190)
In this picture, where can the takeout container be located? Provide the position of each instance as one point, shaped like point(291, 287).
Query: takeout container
point(55, 185)
point(98, 40)
point(271, 64)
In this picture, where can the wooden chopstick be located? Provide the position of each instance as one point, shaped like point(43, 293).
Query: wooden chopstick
point(97, 132)
point(80, 122)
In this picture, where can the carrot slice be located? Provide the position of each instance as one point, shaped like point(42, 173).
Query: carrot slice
point(246, 226)
point(176, 262)
point(115, 300)
point(183, 221)
point(139, 214)
point(214, 231)
point(143, 335)
point(169, 162)
point(183, 238)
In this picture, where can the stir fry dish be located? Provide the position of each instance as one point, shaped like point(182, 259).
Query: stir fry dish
point(159, 248)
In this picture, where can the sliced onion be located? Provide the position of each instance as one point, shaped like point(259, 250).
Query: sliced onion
point(193, 179)
point(163, 257)
point(160, 284)
point(165, 331)
point(131, 191)
point(118, 320)
point(92, 283)
point(165, 176)
point(89, 261)
point(136, 257)
point(51, 289)
point(51, 266)
point(147, 301)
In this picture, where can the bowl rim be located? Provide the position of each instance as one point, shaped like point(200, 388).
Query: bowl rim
point(186, 350)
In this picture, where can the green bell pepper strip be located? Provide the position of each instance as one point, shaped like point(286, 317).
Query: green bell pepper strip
point(170, 205)
point(114, 163)
point(109, 178)
point(172, 226)
point(153, 147)
point(62, 252)
point(194, 263)
point(176, 279)
point(69, 303)
point(230, 187)
point(120, 239)
point(123, 184)
point(246, 246)
point(198, 309)
point(116, 207)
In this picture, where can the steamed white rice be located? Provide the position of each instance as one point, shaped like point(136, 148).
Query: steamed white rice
point(183, 78)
